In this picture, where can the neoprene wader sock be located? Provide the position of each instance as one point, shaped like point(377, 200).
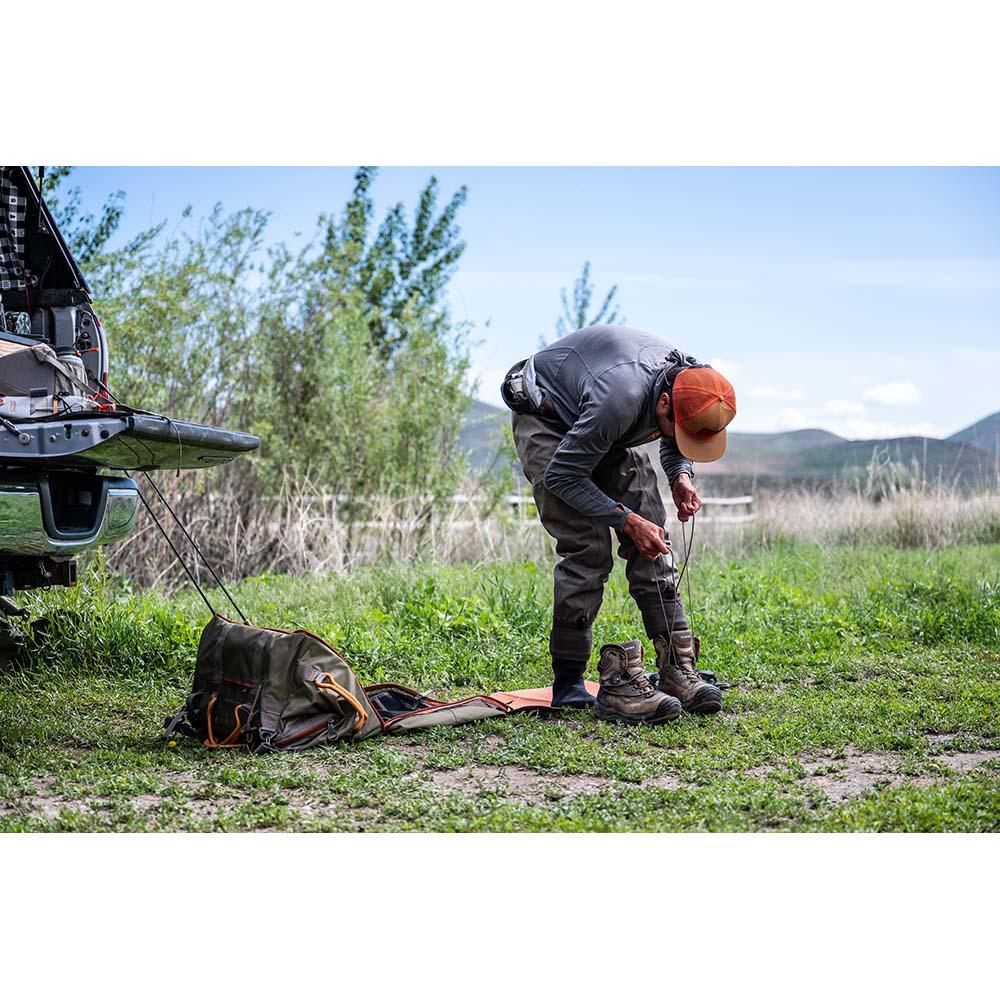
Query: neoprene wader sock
point(568, 690)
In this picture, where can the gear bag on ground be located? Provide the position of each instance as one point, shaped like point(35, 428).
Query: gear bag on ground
point(266, 689)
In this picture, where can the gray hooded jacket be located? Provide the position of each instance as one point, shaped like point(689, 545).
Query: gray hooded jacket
point(603, 383)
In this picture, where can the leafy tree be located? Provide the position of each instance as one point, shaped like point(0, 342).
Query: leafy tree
point(342, 355)
point(183, 322)
point(398, 266)
point(575, 313)
point(348, 415)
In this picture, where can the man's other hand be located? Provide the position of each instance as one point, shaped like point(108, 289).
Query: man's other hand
point(686, 497)
point(648, 537)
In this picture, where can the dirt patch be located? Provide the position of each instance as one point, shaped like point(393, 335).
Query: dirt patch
point(42, 801)
point(845, 778)
point(196, 796)
point(203, 800)
point(967, 761)
point(516, 784)
point(854, 772)
point(667, 781)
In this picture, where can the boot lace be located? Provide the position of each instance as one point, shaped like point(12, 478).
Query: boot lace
point(638, 677)
point(685, 666)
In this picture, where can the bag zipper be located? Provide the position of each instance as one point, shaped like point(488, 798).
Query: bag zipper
point(303, 734)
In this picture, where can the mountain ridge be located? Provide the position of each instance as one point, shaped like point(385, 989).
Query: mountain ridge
point(968, 456)
point(983, 434)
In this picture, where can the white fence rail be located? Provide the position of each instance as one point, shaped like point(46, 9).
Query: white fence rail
point(726, 505)
point(520, 504)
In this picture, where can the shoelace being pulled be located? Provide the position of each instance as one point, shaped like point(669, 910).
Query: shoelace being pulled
point(685, 666)
point(638, 677)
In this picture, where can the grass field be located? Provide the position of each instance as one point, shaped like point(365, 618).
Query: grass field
point(867, 698)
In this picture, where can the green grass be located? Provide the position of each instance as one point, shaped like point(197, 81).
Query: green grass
point(867, 698)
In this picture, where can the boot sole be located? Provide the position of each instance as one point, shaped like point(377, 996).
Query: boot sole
point(610, 715)
point(703, 703)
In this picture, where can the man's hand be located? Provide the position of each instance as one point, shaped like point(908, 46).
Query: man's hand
point(685, 497)
point(648, 537)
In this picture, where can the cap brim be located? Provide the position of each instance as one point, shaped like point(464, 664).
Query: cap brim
point(700, 449)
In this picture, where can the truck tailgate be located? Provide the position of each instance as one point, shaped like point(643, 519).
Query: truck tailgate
point(134, 442)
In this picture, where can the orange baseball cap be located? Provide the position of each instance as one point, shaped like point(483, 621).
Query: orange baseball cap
point(704, 403)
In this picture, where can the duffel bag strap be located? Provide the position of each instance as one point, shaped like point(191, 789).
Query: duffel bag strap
point(331, 685)
point(232, 739)
point(178, 724)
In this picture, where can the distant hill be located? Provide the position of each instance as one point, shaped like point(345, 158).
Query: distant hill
point(984, 434)
point(947, 460)
point(480, 432)
point(969, 456)
point(769, 454)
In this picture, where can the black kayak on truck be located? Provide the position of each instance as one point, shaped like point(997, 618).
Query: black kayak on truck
point(67, 445)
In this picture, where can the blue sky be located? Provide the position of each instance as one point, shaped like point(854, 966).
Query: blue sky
point(865, 301)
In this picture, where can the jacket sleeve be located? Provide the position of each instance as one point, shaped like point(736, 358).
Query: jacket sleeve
point(605, 416)
point(673, 462)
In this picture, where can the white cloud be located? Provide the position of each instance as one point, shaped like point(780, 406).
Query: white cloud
point(774, 392)
point(902, 393)
point(828, 375)
point(847, 407)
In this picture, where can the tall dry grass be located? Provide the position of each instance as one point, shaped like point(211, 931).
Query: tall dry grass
point(907, 519)
point(304, 530)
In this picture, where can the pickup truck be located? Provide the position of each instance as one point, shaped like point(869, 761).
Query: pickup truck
point(68, 448)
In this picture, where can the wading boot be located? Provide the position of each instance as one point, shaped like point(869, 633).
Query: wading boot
point(567, 685)
point(677, 664)
point(626, 694)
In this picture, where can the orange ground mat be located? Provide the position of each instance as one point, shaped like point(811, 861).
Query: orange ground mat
point(537, 698)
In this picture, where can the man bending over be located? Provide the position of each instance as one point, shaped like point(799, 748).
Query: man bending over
point(581, 408)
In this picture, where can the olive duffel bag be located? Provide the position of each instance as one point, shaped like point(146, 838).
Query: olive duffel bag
point(266, 689)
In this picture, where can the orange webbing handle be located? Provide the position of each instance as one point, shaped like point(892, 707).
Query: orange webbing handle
point(332, 685)
point(229, 741)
